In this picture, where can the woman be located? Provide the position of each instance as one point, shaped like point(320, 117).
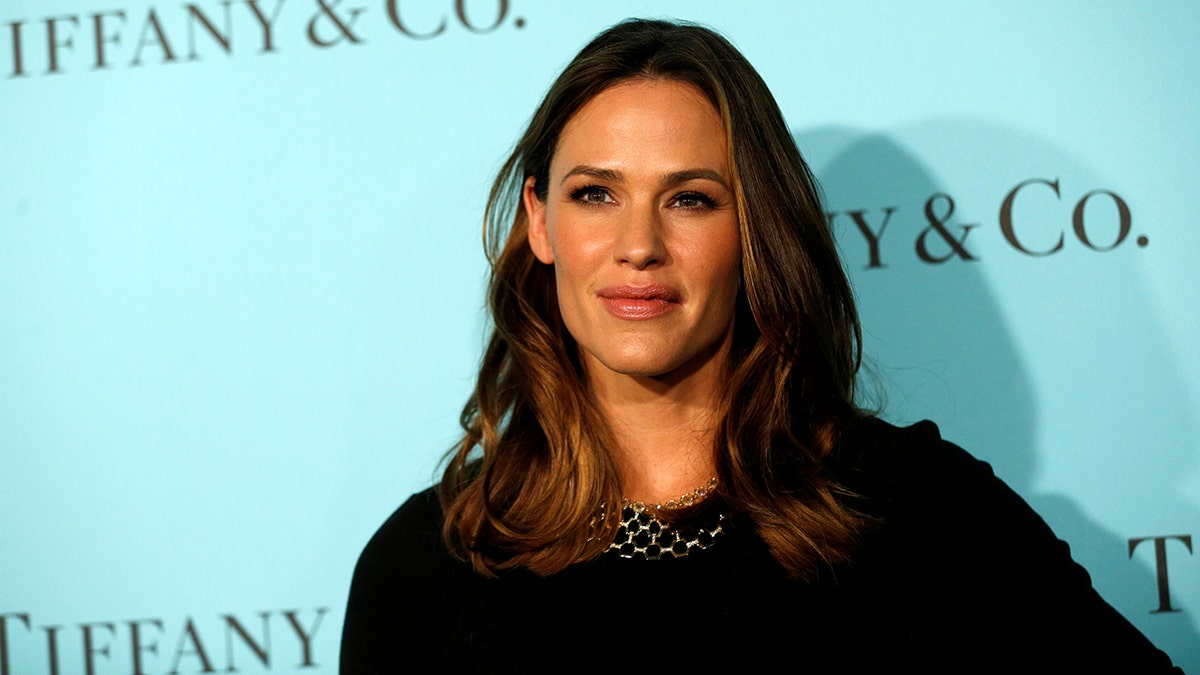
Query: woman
point(663, 464)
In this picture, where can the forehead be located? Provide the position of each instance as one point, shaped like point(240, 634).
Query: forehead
point(645, 120)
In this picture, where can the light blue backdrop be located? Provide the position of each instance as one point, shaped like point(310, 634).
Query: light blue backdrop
point(241, 275)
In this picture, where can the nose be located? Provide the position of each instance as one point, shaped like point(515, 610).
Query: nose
point(639, 241)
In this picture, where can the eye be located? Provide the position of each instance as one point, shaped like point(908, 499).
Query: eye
point(693, 200)
point(591, 195)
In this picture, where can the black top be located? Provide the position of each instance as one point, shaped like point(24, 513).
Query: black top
point(962, 577)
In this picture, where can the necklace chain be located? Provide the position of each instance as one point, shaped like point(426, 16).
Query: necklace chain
point(682, 501)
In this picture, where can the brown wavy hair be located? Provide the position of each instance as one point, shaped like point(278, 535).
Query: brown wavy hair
point(525, 484)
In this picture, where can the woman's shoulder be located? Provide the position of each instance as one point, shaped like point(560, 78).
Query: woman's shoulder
point(957, 531)
point(395, 595)
point(893, 462)
point(419, 515)
point(927, 485)
point(411, 537)
point(407, 556)
point(875, 440)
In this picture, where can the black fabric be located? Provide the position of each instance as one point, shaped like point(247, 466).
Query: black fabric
point(962, 577)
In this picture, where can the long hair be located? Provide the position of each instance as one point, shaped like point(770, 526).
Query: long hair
point(524, 486)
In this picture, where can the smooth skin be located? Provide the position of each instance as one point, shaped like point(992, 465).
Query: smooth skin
point(641, 226)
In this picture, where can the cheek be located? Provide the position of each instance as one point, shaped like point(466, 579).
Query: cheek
point(572, 268)
point(718, 260)
point(726, 276)
point(731, 286)
point(576, 255)
point(730, 259)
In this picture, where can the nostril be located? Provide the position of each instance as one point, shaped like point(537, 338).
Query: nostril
point(640, 244)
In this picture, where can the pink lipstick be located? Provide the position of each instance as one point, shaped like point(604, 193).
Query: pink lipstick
point(638, 302)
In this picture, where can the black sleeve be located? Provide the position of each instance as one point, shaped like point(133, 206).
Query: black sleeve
point(392, 617)
point(1004, 588)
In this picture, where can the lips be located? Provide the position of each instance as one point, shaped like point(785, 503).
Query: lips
point(639, 302)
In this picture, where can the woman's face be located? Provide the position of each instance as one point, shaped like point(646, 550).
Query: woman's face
point(641, 227)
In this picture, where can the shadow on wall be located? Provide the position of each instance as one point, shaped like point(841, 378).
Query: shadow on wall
point(939, 345)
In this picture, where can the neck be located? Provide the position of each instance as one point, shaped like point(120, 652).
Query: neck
point(665, 427)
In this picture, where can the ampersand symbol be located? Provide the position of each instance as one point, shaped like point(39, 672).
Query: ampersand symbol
point(329, 11)
point(938, 225)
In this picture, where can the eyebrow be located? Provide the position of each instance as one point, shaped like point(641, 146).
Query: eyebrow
point(673, 178)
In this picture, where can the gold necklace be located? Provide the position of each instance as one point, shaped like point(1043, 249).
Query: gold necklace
point(690, 499)
point(641, 534)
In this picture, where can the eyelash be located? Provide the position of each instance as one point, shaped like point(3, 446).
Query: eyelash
point(702, 200)
point(581, 195)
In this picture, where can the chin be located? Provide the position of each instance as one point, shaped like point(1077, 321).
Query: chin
point(639, 362)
